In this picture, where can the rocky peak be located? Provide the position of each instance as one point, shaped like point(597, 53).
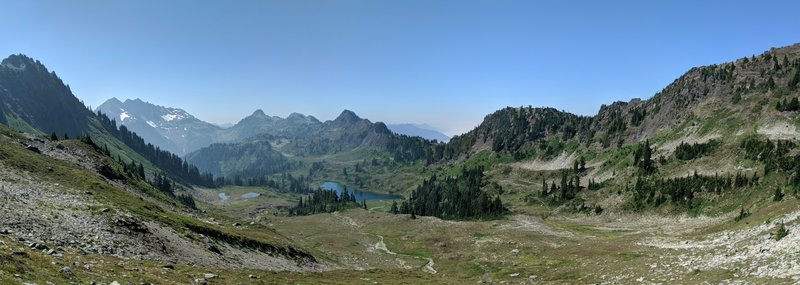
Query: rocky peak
point(259, 114)
point(347, 116)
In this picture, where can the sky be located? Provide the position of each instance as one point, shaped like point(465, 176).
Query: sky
point(444, 63)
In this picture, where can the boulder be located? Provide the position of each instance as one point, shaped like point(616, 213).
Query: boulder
point(67, 272)
point(33, 149)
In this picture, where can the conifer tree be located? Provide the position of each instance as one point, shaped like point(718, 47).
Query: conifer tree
point(781, 232)
point(778, 195)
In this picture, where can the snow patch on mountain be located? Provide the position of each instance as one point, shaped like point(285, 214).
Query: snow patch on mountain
point(170, 117)
point(124, 115)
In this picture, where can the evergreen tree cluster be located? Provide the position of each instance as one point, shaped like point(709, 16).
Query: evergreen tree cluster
point(187, 200)
point(774, 155)
point(458, 197)
point(743, 213)
point(615, 125)
point(166, 161)
point(163, 184)
point(593, 185)
point(686, 151)
point(407, 149)
point(680, 191)
point(788, 106)
point(643, 158)
point(285, 182)
point(566, 190)
point(637, 115)
point(522, 131)
point(325, 201)
point(515, 128)
point(133, 168)
point(579, 165)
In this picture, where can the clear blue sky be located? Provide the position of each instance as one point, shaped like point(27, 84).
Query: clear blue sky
point(445, 63)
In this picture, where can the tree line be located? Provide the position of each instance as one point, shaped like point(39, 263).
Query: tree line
point(776, 157)
point(686, 151)
point(325, 201)
point(165, 160)
point(681, 191)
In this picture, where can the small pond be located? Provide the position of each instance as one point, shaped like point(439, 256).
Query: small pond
point(250, 195)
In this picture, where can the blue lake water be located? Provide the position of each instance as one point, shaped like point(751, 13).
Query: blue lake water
point(250, 195)
point(360, 195)
point(223, 197)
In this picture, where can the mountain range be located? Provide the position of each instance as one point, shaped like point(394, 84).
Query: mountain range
point(697, 183)
point(177, 131)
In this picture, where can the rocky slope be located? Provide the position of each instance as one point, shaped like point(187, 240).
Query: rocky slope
point(63, 196)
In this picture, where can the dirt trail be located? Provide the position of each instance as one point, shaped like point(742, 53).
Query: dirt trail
point(347, 220)
point(381, 245)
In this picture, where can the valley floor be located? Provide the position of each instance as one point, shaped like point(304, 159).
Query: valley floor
point(364, 247)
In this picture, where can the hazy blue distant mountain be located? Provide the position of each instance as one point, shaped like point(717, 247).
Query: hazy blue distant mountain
point(170, 129)
point(295, 125)
point(417, 130)
point(224, 125)
point(298, 135)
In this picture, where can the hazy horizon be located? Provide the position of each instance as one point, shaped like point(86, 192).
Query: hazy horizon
point(446, 63)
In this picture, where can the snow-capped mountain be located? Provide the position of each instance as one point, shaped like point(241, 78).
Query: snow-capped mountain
point(171, 129)
point(179, 132)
